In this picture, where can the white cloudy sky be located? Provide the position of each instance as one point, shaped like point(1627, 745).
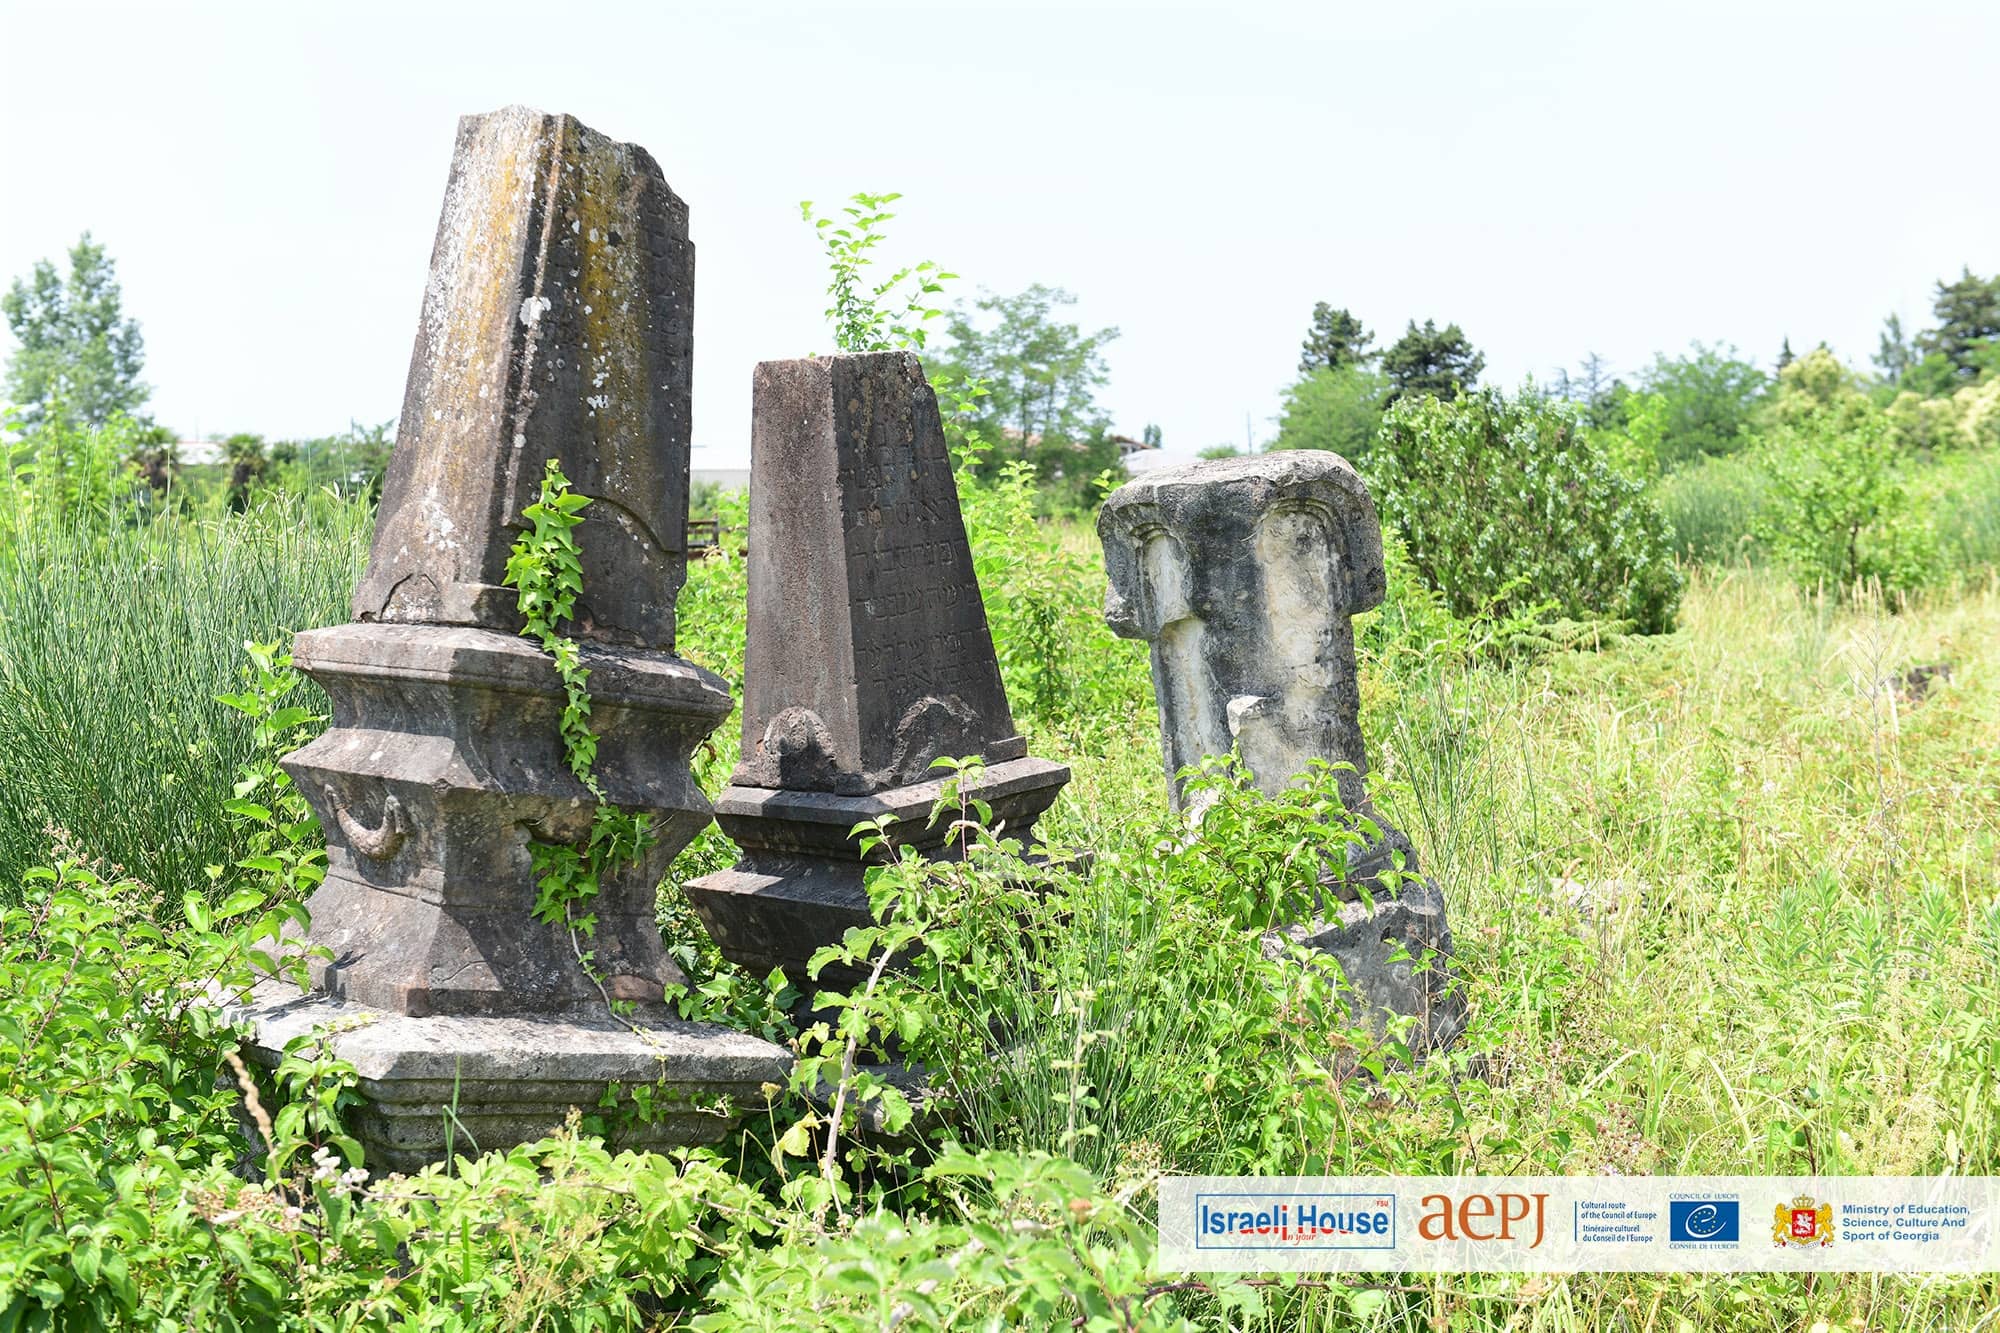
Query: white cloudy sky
point(1557, 178)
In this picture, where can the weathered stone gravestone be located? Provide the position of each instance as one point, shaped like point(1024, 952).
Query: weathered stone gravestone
point(1242, 574)
point(868, 657)
point(555, 326)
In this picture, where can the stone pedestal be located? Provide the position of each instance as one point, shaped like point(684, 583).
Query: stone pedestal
point(442, 763)
point(481, 1083)
point(555, 328)
point(1242, 574)
point(869, 657)
point(800, 884)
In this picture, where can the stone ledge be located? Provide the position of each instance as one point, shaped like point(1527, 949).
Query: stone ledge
point(511, 1080)
point(906, 804)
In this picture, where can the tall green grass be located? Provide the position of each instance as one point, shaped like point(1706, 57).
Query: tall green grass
point(1966, 508)
point(116, 634)
point(1712, 506)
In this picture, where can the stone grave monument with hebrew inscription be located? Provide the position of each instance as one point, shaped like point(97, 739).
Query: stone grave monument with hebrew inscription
point(556, 325)
point(868, 657)
point(1243, 573)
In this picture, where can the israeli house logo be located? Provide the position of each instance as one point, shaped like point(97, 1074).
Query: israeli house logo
point(1295, 1221)
point(1697, 1221)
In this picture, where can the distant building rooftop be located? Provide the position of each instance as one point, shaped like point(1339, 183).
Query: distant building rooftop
point(727, 478)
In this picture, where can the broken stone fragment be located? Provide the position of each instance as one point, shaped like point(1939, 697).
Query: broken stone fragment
point(1243, 574)
point(557, 323)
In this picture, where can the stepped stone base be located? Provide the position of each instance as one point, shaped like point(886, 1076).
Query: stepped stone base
point(801, 882)
point(483, 1083)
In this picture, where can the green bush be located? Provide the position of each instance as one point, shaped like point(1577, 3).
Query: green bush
point(1504, 504)
point(121, 1205)
point(1042, 583)
point(1128, 1018)
point(1839, 511)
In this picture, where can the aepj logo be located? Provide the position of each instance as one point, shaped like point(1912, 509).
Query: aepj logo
point(1709, 1221)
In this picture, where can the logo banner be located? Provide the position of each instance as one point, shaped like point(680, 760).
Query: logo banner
point(1645, 1224)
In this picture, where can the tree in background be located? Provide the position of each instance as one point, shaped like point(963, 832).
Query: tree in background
point(1817, 382)
point(1598, 394)
point(79, 357)
point(1968, 323)
point(1711, 398)
point(248, 460)
point(1041, 374)
point(1430, 360)
point(1334, 409)
point(1893, 353)
point(156, 456)
point(1337, 339)
point(1151, 436)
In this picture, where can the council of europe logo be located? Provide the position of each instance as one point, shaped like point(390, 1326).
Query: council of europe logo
point(1704, 1221)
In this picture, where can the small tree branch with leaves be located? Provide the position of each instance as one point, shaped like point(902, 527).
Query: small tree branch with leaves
point(889, 316)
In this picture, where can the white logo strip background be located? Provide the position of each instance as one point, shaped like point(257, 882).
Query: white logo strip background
point(1492, 1224)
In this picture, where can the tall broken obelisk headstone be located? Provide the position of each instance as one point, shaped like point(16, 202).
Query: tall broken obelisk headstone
point(1242, 574)
point(555, 326)
point(868, 657)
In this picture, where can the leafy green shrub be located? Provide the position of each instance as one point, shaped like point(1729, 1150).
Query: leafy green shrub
point(67, 466)
point(1022, 1241)
point(119, 1206)
point(891, 314)
point(1839, 511)
point(116, 637)
point(1128, 1018)
point(1504, 503)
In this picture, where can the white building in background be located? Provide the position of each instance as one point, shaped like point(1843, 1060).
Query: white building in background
point(725, 478)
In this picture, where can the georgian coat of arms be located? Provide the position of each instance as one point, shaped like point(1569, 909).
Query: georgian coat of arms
point(1803, 1222)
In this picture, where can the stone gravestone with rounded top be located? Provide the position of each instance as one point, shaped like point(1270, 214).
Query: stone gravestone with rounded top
point(1243, 574)
point(868, 658)
point(555, 325)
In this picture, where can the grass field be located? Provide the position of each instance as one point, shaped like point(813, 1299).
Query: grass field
point(1805, 969)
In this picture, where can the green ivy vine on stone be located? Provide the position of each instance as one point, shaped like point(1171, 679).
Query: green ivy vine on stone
point(545, 568)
